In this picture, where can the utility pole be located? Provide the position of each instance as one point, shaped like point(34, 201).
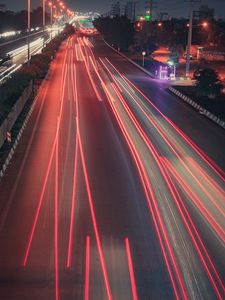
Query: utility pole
point(188, 54)
point(151, 9)
point(150, 6)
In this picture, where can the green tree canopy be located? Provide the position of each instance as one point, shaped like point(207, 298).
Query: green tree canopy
point(207, 83)
point(118, 31)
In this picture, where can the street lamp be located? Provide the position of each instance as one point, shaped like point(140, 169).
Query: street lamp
point(43, 5)
point(205, 24)
point(188, 55)
point(143, 56)
point(190, 26)
point(28, 31)
point(51, 7)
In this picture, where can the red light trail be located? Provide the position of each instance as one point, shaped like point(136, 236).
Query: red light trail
point(56, 216)
point(87, 269)
point(173, 179)
point(147, 188)
point(48, 169)
point(71, 234)
point(90, 200)
point(131, 270)
point(172, 147)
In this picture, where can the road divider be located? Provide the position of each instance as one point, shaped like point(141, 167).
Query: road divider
point(198, 107)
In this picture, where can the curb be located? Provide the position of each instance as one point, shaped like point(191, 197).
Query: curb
point(194, 104)
point(19, 135)
point(130, 60)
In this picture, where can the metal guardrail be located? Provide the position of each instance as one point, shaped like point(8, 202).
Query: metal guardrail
point(198, 107)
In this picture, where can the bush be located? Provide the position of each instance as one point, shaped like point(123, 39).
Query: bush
point(208, 83)
point(118, 31)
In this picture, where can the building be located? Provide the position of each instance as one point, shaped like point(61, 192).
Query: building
point(204, 13)
point(2, 7)
point(130, 10)
point(115, 9)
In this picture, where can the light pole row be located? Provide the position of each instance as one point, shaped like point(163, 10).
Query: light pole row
point(52, 6)
point(28, 26)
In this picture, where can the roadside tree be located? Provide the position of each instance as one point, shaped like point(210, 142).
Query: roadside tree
point(208, 83)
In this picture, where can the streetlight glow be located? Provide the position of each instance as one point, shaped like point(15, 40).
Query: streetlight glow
point(205, 24)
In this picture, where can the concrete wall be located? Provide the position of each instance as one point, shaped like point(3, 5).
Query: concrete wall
point(14, 113)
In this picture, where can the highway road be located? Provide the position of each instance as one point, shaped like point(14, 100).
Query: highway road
point(116, 190)
point(18, 51)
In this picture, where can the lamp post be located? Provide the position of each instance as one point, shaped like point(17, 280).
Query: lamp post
point(28, 31)
point(191, 26)
point(51, 7)
point(143, 58)
point(189, 40)
point(43, 7)
point(188, 55)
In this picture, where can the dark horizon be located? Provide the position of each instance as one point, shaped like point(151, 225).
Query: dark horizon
point(174, 8)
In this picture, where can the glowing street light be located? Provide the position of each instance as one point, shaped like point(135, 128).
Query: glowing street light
point(28, 31)
point(43, 17)
point(205, 24)
point(143, 58)
point(50, 4)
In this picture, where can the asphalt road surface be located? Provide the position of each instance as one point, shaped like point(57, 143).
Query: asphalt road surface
point(116, 190)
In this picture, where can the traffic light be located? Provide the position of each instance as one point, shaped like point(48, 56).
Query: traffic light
point(148, 16)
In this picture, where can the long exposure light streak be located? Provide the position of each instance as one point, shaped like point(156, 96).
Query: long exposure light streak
point(131, 270)
point(31, 236)
point(195, 199)
point(159, 217)
point(89, 75)
point(71, 232)
point(145, 185)
point(173, 149)
point(206, 158)
point(56, 216)
point(183, 163)
point(90, 200)
point(87, 269)
point(201, 250)
point(210, 181)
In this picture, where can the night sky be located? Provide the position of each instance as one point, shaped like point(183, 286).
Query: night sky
point(173, 7)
